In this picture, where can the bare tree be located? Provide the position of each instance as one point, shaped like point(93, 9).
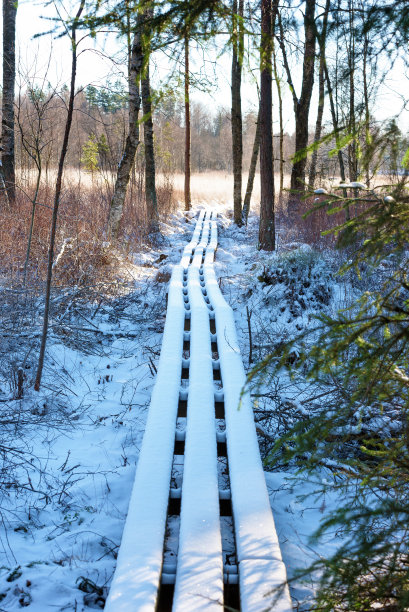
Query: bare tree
point(187, 127)
point(252, 171)
point(280, 114)
point(351, 55)
point(267, 222)
point(33, 142)
point(334, 117)
point(236, 113)
point(9, 76)
point(368, 138)
point(150, 173)
point(57, 195)
point(321, 98)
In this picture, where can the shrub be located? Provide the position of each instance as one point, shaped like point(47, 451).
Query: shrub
point(359, 360)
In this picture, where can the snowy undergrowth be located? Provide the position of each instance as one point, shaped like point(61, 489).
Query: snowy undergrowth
point(65, 489)
point(275, 297)
point(61, 531)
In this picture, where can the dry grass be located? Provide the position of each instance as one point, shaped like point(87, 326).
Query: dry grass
point(83, 257)
point(310, 229)
point(216, 189)
point(218, 186)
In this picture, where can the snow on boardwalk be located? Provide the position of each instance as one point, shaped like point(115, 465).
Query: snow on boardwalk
point(195, 412)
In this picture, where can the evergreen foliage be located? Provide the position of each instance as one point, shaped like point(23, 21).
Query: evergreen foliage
point(109, 99)
point(90, 154)
point(358, 431)
point(167, 22)
point(92, 151)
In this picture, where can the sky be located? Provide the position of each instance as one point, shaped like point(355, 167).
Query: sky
point(104, 60)
point(98, 62)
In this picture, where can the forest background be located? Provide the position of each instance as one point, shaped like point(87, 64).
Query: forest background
point(91, 169)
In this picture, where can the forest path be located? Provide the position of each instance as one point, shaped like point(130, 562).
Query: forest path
point(199, 534)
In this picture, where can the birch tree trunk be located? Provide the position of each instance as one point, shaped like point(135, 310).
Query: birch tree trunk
point(236, 112)
point(9, 77)
point(132, 140)
point(267, 222)
point(3, 190)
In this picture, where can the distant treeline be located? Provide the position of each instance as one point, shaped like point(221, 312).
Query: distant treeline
point(100, 127)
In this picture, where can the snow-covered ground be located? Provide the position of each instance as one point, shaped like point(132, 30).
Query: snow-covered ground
point(76, 443)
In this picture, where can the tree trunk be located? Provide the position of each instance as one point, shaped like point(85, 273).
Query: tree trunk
point(236, 113)
point(33, 212)
point(334, 122)
point(321, 99)
point(9, 77)
point(188, 201)
point(335, 125)
point(368, 138)
point(132, 140)
point(280, 113)
point(57, 196)
point(252, 171)
point(267, 221)
point(301, 106)
point(352, 149)
point(3, 190)
point(150, 174)
point(302, 109)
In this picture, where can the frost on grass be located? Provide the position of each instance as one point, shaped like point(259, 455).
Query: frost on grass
point(68, 453)
point(64, 490)
point(295, 284)
point(276, 298)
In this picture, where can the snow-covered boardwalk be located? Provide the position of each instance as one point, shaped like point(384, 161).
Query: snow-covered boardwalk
point(199, 532)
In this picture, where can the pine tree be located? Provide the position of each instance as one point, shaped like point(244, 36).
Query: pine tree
point(359, 358)
point(90, 152)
